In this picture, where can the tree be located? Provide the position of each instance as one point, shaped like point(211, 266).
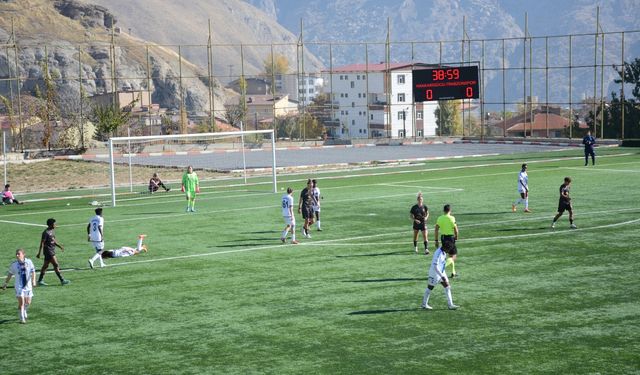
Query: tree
point(109, 119)
point(448, 117)
point(279, 65)
point(49, 112)
point(630, 74)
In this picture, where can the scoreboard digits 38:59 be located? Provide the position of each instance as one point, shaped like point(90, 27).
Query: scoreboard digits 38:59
point(446, 83)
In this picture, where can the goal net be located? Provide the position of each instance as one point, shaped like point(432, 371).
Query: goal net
point(225, 159)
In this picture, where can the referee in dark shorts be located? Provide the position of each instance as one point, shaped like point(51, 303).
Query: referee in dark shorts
point(446, 227)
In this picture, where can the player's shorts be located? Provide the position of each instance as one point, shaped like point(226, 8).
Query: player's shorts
point(434, 279)
point(49, 255)
point(316, 208)
point(419, 226)
point(307, 212)
point(522, 192)
point(447, 238)
point(98, 245)
point(289, 220)
point(24, 292)
point(564, 206)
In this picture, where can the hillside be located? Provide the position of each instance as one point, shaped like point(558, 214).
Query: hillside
point(233, 22)
point(75, 37)
point(442, 20)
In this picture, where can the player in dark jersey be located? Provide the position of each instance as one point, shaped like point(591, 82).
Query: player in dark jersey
point(305, 207)
point(589, 141)
point(419, 214)
point(48, 245)
point(564, 203)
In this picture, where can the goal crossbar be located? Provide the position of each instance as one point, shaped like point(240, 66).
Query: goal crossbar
point(186, 137)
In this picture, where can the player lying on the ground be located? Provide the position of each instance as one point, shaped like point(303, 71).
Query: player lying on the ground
point(126, 251)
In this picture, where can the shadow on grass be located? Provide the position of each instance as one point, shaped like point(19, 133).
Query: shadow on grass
point(482, 213)
point(402, 252)
point(385, 280)
point(386, 311)
point(5, 321)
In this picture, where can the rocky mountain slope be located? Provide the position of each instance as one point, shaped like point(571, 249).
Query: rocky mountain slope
point(442, 20)
point(73, 38)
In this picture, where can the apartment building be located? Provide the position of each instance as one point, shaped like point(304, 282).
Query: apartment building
point(365, 108)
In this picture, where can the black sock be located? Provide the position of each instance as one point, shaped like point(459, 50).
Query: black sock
point(59, 275)
point(415, 243)
point(426, 245)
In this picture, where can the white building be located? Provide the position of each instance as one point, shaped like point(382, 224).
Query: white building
point(365, 109)
point(303, 88)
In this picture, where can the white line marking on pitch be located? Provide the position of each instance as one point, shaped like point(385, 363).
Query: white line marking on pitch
point(330, 243)
point(21, 223)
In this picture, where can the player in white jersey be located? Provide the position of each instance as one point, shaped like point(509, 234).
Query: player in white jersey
point(523, 189)
point(289, 218)
point(95, 234)
point(126, 251)
point(437, 274)
point(25, 274)
point(315, 192)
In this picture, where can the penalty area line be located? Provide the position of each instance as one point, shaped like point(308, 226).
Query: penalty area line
point(332, 243)
point(21, 223)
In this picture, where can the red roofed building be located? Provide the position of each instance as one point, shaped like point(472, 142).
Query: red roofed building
point(547, 122)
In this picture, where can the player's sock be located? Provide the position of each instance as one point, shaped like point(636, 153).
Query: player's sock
point(426, 245)
point(95, 257)
point(139, 246)
point(415, 243)
point(318, 223)
point(21, 313)
point(526, 204)
point(447, 293)
point(59, 275)
point(425, 298)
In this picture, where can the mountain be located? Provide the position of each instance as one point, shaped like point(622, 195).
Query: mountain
point(233, 22)
point(430, 21)
point(73, 39)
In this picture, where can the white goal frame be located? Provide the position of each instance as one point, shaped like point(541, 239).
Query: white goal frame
point(242, 134)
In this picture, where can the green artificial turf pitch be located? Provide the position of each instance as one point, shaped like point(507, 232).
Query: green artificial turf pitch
point(218, 293)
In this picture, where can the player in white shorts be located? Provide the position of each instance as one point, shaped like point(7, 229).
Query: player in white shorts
point(437, 274)
point(315, 192)
point(25, 274)
point(126, 251)
point(289, 218)
point(95, 234)
point(523, 189)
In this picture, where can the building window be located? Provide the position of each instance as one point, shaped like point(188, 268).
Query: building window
point(353, 104)
point(341, 77)
point(311, 91)
point(359, 95)
point(346, 113)
point(419, 133)
point(346, 78)
point(342, 95)
point(353, 122)
point(342, 113)
point(418, 115)
point(364, 76)
point(372, 116)
point(364, 94)
point(353, 84)
point(401, 97)
point(401, 79)
point(358, 77)
point(401, 115)
point(346, 94)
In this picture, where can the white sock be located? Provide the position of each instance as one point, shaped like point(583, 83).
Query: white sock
point(526, 204)
point(21, 313)
point(96, 256)
point(425, 298)
point(447, 293)
point(139, 247)
point(318, 224)
point(284, 233)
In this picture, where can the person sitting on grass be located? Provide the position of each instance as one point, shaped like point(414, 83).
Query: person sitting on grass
point(126, 251)
point(8, 197)
point(155, 183)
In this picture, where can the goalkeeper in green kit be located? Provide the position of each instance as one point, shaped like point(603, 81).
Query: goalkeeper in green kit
point(190, 186)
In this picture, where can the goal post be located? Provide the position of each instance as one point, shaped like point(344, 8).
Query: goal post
point(222, 151)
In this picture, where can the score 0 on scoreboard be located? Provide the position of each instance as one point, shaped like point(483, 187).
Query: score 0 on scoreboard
point(446, 83)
